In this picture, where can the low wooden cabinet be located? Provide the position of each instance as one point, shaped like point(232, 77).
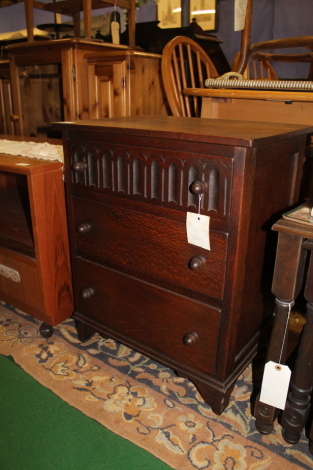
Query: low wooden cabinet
point(129, 185)
point(35, 274)
point(73, 79)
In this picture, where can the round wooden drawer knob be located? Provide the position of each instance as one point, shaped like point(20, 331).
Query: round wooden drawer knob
point(197, 262)
point(87, 293)
point(83, 228)
point(190, 338)
point(79, 167)
point(14, 118)
point(199, 187)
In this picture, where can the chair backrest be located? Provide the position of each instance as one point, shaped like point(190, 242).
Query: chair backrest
point(258, 69)
point(185, 65)
point(252, 62)
point(241, 59)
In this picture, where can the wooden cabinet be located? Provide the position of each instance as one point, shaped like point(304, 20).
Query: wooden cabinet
point(73, 79)
point(35, 273)
point(129, 185)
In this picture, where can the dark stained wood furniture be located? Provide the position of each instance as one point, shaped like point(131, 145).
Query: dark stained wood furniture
point(153, 39)
point(35, 274)
point(129, 185)
point(295, 243)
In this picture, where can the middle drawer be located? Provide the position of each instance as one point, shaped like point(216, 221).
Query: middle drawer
point(148, 247)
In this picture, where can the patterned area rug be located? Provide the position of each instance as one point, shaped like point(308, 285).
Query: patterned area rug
point(146, 402)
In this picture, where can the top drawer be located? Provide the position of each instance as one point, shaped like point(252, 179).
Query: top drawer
point(159, 177)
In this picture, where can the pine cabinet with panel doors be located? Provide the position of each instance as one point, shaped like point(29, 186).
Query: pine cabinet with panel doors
point(74, 79)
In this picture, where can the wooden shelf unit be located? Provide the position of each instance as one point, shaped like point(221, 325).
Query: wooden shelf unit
point(35, 273)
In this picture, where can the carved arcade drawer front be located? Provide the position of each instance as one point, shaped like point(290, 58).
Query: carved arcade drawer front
point(130, 183)
point(158, 177)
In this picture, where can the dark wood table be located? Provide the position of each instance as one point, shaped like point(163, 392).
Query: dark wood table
point(295, 243)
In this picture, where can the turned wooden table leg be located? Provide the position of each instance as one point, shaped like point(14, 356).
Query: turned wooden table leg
point(287, 281)
point(298, 403)
point(265, 414)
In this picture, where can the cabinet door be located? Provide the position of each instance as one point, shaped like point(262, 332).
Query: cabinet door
point(108, 90)
point(40, 91)
point(125, 85)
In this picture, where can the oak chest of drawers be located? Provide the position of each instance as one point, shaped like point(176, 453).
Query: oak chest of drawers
point(129, 184)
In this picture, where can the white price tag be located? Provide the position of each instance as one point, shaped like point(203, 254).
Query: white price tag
point(240, 14)
point(275, 385)
point(115, 31)
point(198, 230)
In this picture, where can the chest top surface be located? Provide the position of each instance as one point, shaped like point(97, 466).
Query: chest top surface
point(215, 131)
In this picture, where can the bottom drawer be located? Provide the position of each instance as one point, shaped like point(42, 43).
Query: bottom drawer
point(19, 279)
point(172, 325)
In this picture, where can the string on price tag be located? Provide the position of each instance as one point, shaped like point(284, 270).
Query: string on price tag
point(198, 228)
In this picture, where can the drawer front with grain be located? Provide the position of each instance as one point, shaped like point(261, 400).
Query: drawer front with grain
point(20, 279)
point(152, 248)
point(170, 324)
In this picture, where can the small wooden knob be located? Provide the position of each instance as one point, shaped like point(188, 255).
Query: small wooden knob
point(190, 338)
point(14, 118)
point(83, 228)
point(87, 293)
point(197, 262)
point(79, 167)
point(199, 187)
